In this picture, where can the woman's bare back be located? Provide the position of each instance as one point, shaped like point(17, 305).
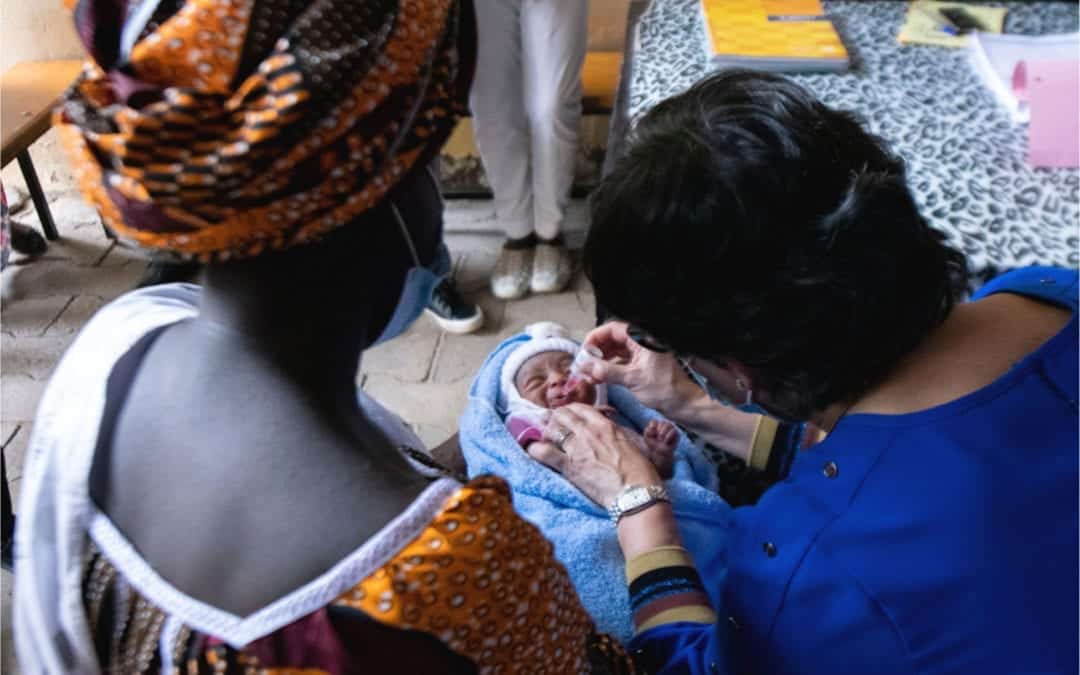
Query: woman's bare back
point(234, 486)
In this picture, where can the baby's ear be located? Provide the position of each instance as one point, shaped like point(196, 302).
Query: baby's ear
point(546, 329)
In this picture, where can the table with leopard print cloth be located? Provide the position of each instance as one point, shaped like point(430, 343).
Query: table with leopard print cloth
point(966, 157)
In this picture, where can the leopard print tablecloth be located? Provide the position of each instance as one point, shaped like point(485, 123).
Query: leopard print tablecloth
point(966, 157)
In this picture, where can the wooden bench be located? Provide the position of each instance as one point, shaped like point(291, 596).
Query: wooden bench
point(28, 94)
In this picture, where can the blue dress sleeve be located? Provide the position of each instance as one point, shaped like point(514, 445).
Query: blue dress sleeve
point(682, 649)
point(1050, 284)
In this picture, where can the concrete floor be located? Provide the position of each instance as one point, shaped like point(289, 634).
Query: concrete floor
point(424, 375)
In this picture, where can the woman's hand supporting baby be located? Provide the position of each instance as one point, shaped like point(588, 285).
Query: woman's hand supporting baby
point(658, 441)
point(601, 459)
point(597, 455)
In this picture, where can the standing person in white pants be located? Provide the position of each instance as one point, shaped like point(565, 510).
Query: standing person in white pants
point(526, 104)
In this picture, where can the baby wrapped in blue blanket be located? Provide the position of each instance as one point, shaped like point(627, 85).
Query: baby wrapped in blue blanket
point(580, 529)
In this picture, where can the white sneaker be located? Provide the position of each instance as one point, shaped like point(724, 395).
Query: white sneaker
point(552, 268)
point(510, 279)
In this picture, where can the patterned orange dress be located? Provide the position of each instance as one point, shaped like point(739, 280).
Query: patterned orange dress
point(459, 565)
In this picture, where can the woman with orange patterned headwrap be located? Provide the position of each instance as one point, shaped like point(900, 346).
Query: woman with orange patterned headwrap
point(205, 490)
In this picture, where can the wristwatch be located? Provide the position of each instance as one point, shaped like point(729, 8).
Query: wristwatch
point(634, 498)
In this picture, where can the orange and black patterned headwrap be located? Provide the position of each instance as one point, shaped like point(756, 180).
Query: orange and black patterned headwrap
point(218, 129)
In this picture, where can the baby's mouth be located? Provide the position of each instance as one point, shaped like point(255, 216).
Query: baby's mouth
point(560, 400)
point(566, 395)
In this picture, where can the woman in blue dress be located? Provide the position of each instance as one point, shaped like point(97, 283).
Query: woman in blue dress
point(778, 256)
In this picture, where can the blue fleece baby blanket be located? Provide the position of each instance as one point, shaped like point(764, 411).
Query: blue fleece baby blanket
point(581, 531)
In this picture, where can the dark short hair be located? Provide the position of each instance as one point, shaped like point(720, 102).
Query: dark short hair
point(749, 220)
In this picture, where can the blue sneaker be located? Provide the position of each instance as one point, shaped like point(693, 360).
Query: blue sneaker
point(452, 312)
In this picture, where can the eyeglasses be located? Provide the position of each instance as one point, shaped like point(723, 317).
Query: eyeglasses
point(642, 337)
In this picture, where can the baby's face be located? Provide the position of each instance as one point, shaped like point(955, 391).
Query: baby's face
point(543, 378)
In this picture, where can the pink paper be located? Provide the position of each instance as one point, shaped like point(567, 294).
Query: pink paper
point(1052, 91)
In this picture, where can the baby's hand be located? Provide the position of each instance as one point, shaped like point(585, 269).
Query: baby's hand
point(661, 437)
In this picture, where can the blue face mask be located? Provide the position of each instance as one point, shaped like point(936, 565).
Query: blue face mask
point(748, 406)
point(416, 292)
point(755, 409)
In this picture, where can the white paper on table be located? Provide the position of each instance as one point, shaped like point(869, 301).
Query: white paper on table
point(995, 55)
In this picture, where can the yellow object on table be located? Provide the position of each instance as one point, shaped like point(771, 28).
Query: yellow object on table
point(776, 35)
point(924, 21)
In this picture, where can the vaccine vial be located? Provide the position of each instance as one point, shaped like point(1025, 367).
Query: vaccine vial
point(586, 354)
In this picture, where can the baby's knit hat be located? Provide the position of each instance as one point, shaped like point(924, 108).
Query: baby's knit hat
point(546, 337)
